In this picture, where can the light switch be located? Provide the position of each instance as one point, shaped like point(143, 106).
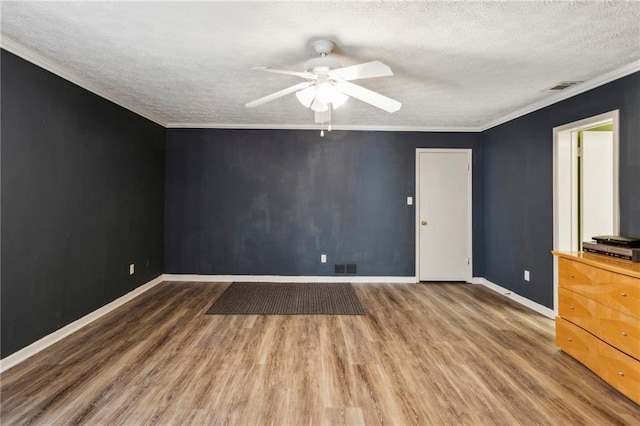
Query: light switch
point(409, 201)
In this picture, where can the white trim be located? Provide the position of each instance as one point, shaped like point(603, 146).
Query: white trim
point(614, 118)
point(48, 340)
point(39, 60)
point(316, 127)
point(35, 58)
point(287, 279)
point(541, 309)
point(27, 352)
point(416, 203)
point(566, 94)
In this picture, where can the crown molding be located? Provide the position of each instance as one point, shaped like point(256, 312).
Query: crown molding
point(316, 127)
point(45, 63)
point(566, 94)
point(35, 58)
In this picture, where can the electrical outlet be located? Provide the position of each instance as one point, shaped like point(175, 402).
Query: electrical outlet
point(323, 258)
point(132, 268)
point(527, 276)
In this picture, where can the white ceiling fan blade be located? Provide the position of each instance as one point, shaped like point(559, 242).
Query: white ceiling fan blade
point(318, 105)
point(307, 75)
point(323, 117)
point(366, 70)
point(368, 96)
point(278, 94)
point(306, 96)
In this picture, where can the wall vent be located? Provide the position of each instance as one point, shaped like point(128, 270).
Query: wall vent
point(563, 85)
point(349, 268)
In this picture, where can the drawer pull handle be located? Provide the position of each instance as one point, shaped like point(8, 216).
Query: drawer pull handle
point(620, 373)
point(572, 307)
point(572, 276)
point(569, 339)
point(623, 294)
point(624, 333)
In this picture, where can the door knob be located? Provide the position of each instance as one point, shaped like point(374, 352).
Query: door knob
point(423, 223)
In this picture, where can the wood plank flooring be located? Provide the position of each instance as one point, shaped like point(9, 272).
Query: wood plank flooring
point(425, 354)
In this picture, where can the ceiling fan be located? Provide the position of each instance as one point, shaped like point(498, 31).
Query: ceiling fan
point(328, 86)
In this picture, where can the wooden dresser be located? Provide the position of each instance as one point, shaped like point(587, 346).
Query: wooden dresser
point(598, 319)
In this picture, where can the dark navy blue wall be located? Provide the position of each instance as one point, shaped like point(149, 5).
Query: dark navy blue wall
point(518, 185)
point(82, 198)
point(83, 190)
point(270, 202)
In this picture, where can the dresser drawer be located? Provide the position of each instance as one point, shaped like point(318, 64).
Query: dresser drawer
point(620, 292)
point(577, 277)
point(576, 342)
point(577, 308)
point(618, 329)
point(614, 367)
point(619, 370)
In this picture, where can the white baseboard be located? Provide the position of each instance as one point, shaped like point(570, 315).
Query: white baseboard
point(24, 353)
point(288, 279)
point(541, 309)
point(37, 346)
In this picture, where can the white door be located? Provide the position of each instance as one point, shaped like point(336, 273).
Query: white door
point(596, 185)
point(444, 215)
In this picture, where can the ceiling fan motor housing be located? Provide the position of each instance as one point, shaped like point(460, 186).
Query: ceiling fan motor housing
point(321, 65)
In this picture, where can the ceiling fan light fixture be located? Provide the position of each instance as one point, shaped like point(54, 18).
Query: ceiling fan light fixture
point(319, 106)
point(306, 96)
point(326, 92)
point(339, 99)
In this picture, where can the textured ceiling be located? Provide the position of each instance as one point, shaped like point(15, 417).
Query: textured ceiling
point(457, 65)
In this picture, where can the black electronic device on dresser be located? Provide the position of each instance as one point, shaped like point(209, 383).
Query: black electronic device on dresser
point(614, 246)
point(618, 241)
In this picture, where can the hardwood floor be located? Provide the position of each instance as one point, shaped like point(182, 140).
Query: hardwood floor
point(425, 354)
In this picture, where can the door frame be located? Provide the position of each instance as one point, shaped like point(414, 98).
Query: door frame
point(563, 213)
point(469, 153)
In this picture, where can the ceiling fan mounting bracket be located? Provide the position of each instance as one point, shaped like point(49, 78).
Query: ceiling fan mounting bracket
point(323, 47)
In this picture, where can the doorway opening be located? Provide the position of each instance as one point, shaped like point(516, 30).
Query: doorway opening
point(585, 183)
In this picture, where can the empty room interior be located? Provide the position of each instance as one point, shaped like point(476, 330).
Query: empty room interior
point(321, 213)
